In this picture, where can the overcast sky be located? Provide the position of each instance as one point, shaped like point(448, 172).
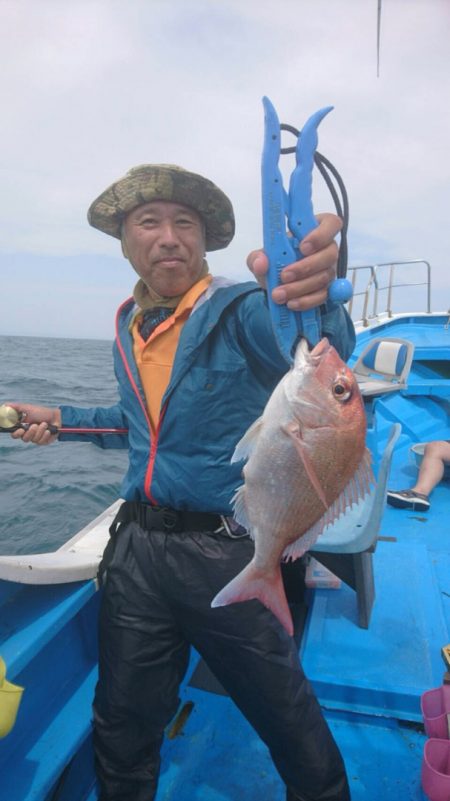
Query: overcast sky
point(89, 88)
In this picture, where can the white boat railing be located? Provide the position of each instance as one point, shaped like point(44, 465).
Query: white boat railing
point(381, 277)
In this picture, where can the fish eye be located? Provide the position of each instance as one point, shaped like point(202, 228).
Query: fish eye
point(342, 391)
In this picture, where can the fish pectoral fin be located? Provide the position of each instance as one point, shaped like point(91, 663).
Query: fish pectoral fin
point(245, 445)
point(294, 432)
point(355, 490)
point(304, 542)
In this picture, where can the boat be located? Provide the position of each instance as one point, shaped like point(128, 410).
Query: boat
point(370, 672)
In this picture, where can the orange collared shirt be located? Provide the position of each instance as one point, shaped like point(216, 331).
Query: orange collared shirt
point(155, 357)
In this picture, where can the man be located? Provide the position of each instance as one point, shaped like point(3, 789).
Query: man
point(196, 361)
point(435, 458)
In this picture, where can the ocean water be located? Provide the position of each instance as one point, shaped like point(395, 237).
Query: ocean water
point(48, 493)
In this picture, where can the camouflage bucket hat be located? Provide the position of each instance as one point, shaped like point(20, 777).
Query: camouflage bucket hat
point(165, 182)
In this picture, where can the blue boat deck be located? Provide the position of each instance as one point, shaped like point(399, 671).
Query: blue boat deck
point(227, 763)
point(369, 682)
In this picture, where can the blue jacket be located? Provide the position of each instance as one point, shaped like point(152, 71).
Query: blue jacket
point(226, 366)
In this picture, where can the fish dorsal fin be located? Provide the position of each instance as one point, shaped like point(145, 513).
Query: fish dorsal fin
point(356, 490)
point(245, 445)
point(293, 431)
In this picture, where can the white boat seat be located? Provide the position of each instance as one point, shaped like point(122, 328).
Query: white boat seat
point(346, 547)
point(383, 366)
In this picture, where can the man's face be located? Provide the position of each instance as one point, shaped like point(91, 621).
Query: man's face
point(165, 243)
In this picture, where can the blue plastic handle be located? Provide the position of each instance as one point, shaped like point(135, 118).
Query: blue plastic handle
point(295, 211)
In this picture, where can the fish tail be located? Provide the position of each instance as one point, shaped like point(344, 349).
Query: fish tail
point(266, 588)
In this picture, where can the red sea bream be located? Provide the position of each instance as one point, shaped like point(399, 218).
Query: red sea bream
point(306, 464)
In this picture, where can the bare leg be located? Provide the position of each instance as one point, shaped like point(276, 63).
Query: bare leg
point(436, 456)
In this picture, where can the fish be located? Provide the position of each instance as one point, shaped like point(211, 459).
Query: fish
point(306, 464)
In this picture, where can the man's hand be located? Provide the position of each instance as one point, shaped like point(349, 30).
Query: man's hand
point(38, 418)
point(305, 282)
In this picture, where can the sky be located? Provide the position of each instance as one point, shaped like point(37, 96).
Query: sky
point(90, 88)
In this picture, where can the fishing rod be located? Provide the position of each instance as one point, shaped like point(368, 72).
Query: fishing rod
point(12, 420)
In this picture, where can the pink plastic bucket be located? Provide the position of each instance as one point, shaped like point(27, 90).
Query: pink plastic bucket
point(436, 770)
point(436, 712)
